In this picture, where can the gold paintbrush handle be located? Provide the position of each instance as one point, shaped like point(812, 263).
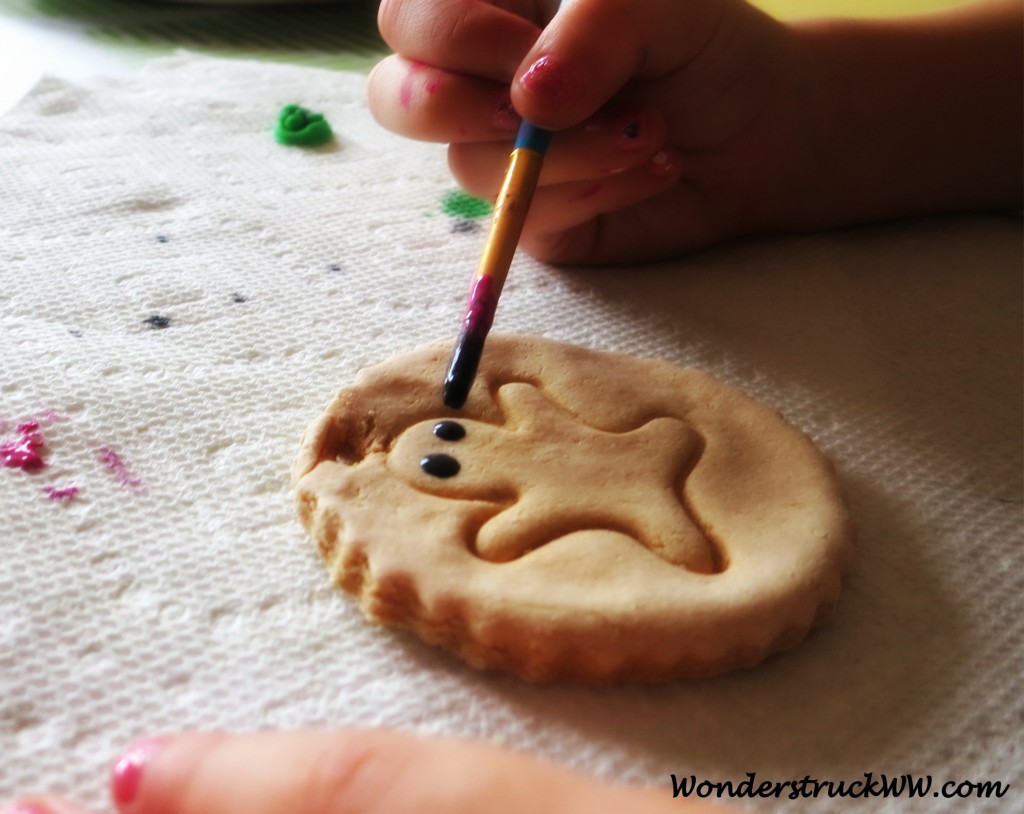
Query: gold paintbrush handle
point(510, 210)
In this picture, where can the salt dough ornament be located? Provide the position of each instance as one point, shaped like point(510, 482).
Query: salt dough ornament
point(586, 515)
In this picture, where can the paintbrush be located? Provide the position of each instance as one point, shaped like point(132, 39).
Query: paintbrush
point(510, 211)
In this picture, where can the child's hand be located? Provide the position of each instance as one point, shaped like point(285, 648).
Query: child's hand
point(353, 772)
point(671, 121)
point(683, 123)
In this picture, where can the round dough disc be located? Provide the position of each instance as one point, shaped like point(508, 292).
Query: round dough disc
point(592, 516)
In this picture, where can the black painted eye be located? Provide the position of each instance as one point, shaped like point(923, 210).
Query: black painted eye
point(440, 465)
point(449, 431)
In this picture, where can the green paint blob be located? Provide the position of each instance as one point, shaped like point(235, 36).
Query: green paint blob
point(299, 127)
point(460, 205)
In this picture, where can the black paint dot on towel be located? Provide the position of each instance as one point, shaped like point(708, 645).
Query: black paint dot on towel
point(157, 321)
point(440, 465)
point(465, 227)
point(449, 431)
point(162, 238)
point(236, 297)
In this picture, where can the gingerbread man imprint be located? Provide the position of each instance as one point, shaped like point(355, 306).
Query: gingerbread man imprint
point(631, 482)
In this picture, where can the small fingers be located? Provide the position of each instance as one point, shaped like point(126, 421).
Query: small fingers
point(42, 805)
point(643, 214)
point(427, 103)
point(465, 36)
point(591, 50)
point(359, 772)
point(614, 142)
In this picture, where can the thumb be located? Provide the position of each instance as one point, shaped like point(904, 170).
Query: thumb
point(592, 48)
point(350, 771)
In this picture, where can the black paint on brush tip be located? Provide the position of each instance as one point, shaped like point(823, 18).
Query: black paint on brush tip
point(462, 368)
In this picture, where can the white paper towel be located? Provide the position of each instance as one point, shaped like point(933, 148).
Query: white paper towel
point(180, 295)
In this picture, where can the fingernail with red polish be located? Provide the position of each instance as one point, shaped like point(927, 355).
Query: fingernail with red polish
point(550, 79)
point(126, 776)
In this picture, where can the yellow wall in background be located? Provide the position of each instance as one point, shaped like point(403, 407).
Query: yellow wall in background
point(790, 9)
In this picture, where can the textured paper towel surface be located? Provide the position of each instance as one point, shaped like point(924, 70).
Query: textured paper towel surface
point(180, 295)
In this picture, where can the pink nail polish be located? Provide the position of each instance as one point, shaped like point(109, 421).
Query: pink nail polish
point(550, 79)
point(126, 776)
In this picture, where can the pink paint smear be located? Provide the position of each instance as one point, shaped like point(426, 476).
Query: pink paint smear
point(63, 494)
point(119, 469)
point(405, 92)
point(26, 453)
